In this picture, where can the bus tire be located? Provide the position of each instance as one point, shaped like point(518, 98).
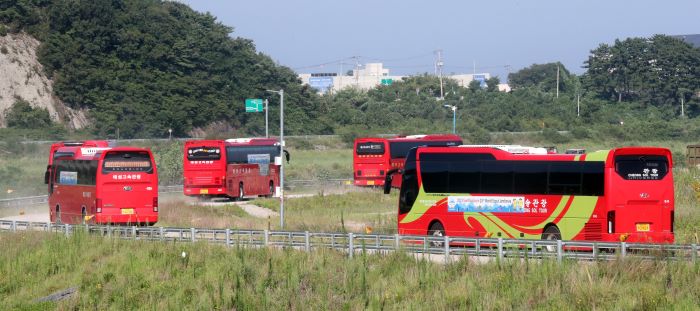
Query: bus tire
point(436, 230)
point(58, 215)
point(241, 193)
point(551, 233)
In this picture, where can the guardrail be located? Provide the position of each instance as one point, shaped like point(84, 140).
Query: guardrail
point(450, 247)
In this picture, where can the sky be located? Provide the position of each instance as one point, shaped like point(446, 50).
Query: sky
point(494, 36)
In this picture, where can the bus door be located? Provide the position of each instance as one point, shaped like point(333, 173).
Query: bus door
point(641, 193)
point(371, 162)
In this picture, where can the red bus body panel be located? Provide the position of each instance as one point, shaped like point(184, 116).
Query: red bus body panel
point(115, 198)
point(643, 209)
point(211, 178)
point(371, 169)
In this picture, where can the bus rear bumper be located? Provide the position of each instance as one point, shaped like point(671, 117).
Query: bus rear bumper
point(642, 237)
point(196, 191)
point(369, 182)
point(135, 219)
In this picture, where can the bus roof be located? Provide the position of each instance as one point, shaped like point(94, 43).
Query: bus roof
point(234, 142)
point(515, 149)
point(92, 153)
point(419, 137)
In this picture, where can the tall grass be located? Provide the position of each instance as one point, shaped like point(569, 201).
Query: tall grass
point(126, 275)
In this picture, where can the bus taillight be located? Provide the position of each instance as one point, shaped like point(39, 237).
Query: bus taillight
point(155, 204)
point(98, 205)
point(611, 221)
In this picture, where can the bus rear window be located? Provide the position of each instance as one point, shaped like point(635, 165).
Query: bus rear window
point(641, 167)
point(400, 149)
point(370, 148)
point(204, 153)
point(125, 161)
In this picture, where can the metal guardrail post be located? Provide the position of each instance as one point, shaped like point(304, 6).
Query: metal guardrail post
point(560, 251)
point(228, 237)
point(48, 226)
point(500, 249)
point(446, 240)
point(192, 233)
point(396, 242)
point(307, 246)
point(13, 227)
point(266, 237)
point(351, 246)
point(133, 232)
point(477, 246)
point(65, 229)
point(595, 251)
point(694, 252)
point(623, 249)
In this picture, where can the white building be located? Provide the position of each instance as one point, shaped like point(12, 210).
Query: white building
point(372, 75)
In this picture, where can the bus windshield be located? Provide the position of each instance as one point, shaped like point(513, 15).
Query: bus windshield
point(370, 148)
point(127, 161)
point(204, 153)
point(641, 167)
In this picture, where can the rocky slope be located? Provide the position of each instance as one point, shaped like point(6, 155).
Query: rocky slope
point(22, 77)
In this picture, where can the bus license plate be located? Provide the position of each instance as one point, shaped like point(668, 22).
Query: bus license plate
point(370, 182)
point(127, 211)
point(643, 227)
point(203, 191)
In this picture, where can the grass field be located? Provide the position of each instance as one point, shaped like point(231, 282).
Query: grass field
point(352, 212)
point(127, 275)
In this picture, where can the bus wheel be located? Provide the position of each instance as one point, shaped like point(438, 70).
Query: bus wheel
point(58, 215)
point(552, 233)
point(436, 230)
point(241, 193)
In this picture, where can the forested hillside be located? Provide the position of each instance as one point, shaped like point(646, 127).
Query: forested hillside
point(144, 66)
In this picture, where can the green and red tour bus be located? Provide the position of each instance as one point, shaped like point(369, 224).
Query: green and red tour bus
point(92, 183)
point(232, 168)
point(374, 157)
point(623, 194)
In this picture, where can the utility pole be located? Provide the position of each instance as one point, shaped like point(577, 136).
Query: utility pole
point(267, 135)
point(578, 105)
point(281, 93)
point(438, 66)
point(557, 80)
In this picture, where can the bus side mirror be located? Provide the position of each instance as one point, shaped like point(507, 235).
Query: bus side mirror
point(286, 155)
point(47, 174)
point(388, 179)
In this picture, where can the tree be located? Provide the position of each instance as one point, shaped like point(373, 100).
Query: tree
point(542, 76)
point(22, 115)
point(658, 71)
point(492, 84)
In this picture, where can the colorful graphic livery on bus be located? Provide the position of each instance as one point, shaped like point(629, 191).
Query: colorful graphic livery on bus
point(232, 168)
point(93, 183)
point(373, 158)
point(623, 194)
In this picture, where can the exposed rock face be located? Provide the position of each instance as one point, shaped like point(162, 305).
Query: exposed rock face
point(22, 77)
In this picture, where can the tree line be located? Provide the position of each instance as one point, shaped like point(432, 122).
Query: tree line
point(142, 67)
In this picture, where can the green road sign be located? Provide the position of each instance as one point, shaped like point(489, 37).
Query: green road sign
point(253, 105)
point(387, 81)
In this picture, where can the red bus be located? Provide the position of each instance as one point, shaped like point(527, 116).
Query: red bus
point(374, 157)
point(102, 185)
point(623, 194)
point(231, 168)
